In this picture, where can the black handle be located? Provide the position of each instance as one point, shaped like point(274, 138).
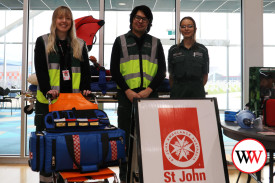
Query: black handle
point(70, 147)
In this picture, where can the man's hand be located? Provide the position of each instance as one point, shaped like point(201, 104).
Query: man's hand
point(145, 93)
point(131, 94)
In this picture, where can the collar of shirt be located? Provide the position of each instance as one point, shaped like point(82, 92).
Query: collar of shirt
point(193, 47)
point(138, 40)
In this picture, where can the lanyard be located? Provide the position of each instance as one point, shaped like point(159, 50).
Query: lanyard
point(65, 55)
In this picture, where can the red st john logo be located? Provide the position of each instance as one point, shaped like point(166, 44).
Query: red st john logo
point(180, 138)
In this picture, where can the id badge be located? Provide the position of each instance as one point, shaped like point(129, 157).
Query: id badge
point(66, 75)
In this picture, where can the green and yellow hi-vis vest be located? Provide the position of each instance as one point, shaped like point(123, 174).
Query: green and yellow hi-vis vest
point(53, 63)
point(130, 61)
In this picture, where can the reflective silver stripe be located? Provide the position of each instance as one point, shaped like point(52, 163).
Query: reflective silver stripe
point(131, 76)
point(150, 78)
point(76, 70)
point(45, 179)
point(136, 57)
point(132, 57)
point(76, 90)
point(53, 66)
point(154, 50)
point(52, 87)
point(55, 88)
point(124, 46)
point(146, 57)
point(45, 38)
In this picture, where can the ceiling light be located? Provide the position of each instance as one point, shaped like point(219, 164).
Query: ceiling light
point(122, 4)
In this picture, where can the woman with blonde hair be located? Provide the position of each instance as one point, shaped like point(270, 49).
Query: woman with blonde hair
point(188, 63)
point(61, 64)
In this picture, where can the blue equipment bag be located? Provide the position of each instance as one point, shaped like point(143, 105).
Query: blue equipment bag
point(102, 85)
point(230, 115)
point(36, 151)
point(69, 120)
point(85, 151)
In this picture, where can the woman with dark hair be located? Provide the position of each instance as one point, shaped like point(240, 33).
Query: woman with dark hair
point(188, 63)
point(61, 64)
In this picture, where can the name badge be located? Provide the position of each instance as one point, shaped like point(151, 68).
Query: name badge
point(66, 75)
point(198, 54)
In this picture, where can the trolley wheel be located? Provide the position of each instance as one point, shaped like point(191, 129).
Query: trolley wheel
point(106, 181)
point(28, 109)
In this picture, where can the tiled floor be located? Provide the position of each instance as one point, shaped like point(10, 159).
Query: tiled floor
point(23, 174)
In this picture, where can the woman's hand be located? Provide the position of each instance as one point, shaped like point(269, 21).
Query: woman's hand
point(86, 92)
point(54, 93)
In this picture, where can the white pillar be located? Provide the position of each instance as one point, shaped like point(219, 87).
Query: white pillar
point(24, 75)
point(101, 33)
point(252, 17)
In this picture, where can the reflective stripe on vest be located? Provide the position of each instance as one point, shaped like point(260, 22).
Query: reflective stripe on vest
point(130, 63)
point(54, 73)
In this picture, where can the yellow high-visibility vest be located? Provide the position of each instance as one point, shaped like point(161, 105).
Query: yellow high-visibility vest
point(53, 63)
point(134, 74)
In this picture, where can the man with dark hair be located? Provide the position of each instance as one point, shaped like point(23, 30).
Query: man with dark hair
point(138, 67)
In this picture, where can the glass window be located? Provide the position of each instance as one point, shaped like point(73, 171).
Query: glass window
point(224, 48)
point(117, 19)
point(219, 29)
point(10, 77)
point(269, 39)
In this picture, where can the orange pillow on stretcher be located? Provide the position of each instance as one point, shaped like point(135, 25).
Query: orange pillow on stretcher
point(68, 101)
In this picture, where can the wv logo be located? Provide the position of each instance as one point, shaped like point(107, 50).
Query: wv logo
point(248, 156)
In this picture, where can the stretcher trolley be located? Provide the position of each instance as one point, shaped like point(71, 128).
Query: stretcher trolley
point(78, 140)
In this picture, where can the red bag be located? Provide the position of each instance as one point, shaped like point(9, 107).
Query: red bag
point(269, 112)
point(86, 29)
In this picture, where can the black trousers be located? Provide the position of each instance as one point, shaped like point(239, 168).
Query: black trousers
point(40, 111)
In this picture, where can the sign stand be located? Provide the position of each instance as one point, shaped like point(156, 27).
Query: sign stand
point(176, 141)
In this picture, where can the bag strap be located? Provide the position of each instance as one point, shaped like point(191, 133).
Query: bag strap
point(102, 80)
point(37, 152)
point(89, 113)
point(53, 161)
point(70, 147)
point(105, 145)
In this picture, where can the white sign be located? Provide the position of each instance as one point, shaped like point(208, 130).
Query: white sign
point(180, 141)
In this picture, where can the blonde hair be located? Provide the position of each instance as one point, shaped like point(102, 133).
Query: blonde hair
point(63, 10)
